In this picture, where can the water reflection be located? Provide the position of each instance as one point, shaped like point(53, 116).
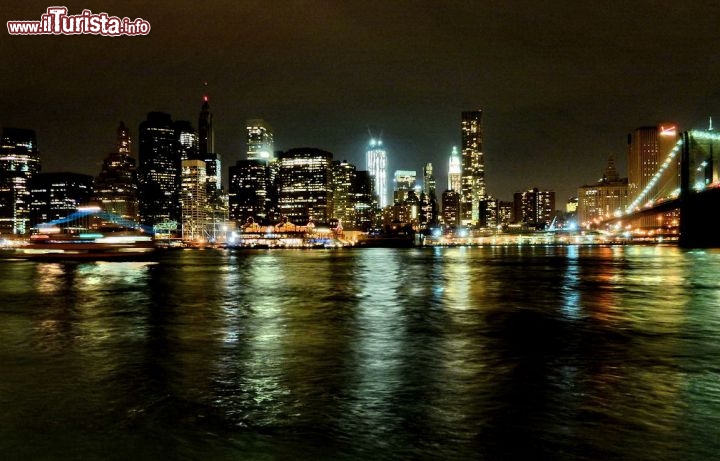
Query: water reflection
point(440, 353)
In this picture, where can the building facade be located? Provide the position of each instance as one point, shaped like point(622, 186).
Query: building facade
point(260, 144)
point(305, 185)
point(600, 201)
point(159, 171)
point(194, 201)
point(455, 171)
point(534, 208)
point(249, 182)
point(473, 167)
point(19, 162)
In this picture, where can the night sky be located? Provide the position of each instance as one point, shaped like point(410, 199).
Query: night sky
point(561, 84)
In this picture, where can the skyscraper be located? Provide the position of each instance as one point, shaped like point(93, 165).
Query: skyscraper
point(19, 162)
point(473, 167)
point(455, 171)
point(116, 187)
point(648, 147)
point(206, 135)
point(159, 171)
point(343, 210)
point(259, 140)
point(187, 140)
point(194, 200)
point(376, 157)
point(249, 182)
point(305, 185)
point(428, 180)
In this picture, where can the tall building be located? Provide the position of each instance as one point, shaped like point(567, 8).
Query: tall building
point(473, 167)
point(249, 182)
point(376, 160)
point(450, 208)
point(187, 139)
point(600, 201)
point(260, 141)
point(648, 147)
point(19, 162)
point(206, 135)
point(534, 208)
point(57, 195)
point(362, 200)
point(343, 174)
point(455, 171)
point(194, 200)
point(159, 171)
point(305, 184)
point(404, 182)
point(206, 151)
point(429, 183)
point(116, 188)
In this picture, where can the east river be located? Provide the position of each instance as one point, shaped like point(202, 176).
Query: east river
point(557, 352)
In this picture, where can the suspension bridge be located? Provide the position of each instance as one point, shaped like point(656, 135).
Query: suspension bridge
point(686, 181)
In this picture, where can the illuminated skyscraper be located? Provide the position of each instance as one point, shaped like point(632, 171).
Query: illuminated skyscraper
point(259, 140)
point(19, 162)
point(343, 210)
point(455, 171)
point(159, 171)
point(404, 182)
point(305, 191)
point(116, 187)
point(376, 157)
point(248, 190)
point(473, 167)
point(187, 140)
point(194, 200)
point(428, 180)
point(648, 147)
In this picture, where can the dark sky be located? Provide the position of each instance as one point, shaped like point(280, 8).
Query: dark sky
point(560, 83)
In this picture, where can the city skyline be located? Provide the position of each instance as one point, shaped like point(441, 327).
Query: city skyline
point(560, 86)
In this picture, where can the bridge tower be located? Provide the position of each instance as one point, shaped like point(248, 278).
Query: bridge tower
point(695, 229)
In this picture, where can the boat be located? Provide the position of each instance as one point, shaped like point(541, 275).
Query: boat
point(85, 246)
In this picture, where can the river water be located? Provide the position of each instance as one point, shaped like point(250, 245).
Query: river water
point(435, 353)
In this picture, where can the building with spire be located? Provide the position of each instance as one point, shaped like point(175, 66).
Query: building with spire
point(473, 167)
point(455, 171)
point(116, 188)
point(601, 200)
point(376, 161)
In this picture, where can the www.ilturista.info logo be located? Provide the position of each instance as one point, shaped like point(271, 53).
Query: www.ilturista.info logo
point(57, 22)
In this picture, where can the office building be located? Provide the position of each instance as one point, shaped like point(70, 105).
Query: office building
point(305, 183)
point(260, 143)
point(455, 171)
point(473, 167)
point(159, 171)
point(19, 162)
point(249, 182)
